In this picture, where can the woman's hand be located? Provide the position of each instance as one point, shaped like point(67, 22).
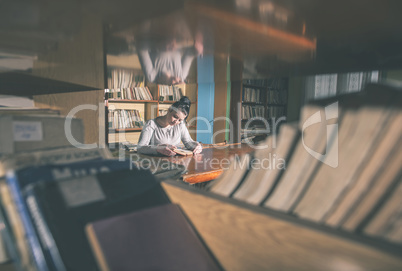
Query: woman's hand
point(197, 149)
point(166, 149)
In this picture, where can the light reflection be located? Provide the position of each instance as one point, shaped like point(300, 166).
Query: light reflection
point(272, 14)
point(344, 265)
point(165, 62)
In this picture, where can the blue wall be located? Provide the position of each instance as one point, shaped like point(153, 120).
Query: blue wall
point(206, 96)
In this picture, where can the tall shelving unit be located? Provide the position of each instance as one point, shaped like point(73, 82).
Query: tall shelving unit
point(128, 104)
point(122, 81)
point(260, 103)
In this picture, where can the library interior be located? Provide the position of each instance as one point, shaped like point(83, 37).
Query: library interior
point(200, 135)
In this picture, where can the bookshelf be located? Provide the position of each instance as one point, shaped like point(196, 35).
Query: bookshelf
point(130, 102)
point(353, 206)
point(263, 102)
point(267, 233)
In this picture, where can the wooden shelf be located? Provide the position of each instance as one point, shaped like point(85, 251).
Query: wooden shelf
point(172, 102)
point(131, 101)
point(271, 104)
point(136, 70)
point(252, 103)
point(24, 84)
point(244, 120)
point(125, 130)
point(254, 86)
point(167, 102)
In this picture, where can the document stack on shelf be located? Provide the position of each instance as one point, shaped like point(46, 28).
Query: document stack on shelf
point(125, 119)
point(252, 95)
point(124, 78)
point(169, 93)
point(29, 129)
point(135, 93)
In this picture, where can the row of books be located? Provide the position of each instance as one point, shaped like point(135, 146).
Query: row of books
point(339, 167)
point(252, 95)
point(124, 119)
point(169, 93)
point(69, 208)
point(252, 111)
point(275, 83)
point(129, 93)
point(276, 97)
point(123, 78)
point(275, 111)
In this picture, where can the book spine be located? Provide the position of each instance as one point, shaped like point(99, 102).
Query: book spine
point(31, 236)
point(43, 231)
point(16, 242)
point(7, 246)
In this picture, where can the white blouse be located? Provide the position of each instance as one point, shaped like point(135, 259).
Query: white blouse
point(153, 135)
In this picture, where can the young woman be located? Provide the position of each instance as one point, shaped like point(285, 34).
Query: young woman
point(162, 134)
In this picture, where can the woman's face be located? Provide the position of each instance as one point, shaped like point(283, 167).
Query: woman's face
point(175, 117)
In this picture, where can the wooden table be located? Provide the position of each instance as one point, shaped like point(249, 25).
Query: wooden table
point(207, 165)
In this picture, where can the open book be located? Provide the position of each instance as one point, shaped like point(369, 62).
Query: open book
point(183, 152)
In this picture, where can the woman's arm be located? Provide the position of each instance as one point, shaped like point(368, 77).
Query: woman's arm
point(189, 55)
point(188, 142)
point(148, 67)
point(144, 146)
point(145, 138)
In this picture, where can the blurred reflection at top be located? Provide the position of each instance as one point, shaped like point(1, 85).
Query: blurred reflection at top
point(167, 62)
point(273, 15)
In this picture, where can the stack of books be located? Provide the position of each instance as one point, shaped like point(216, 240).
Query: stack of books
point(255, 111)
point(252, 95)
point(136, 93)
point(124, 78)
point(169, 93)
point(125, 119)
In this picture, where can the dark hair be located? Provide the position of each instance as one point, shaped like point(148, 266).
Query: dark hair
point(182, 105)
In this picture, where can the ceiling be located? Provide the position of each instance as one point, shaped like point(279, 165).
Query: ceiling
point(286, 37)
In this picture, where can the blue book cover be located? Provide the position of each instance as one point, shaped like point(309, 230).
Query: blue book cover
point(32, 238)
point(10, 249)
